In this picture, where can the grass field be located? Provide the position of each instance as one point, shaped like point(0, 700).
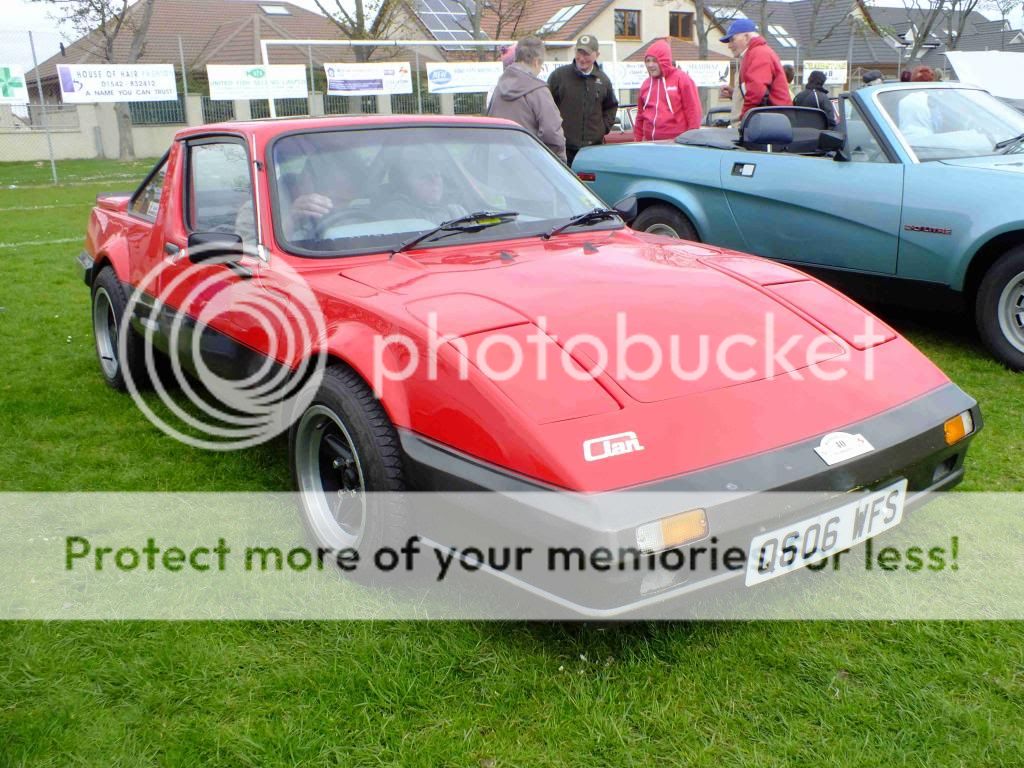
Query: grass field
point(465, 694)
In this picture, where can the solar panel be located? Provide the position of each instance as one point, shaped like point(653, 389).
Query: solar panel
point(447, 20)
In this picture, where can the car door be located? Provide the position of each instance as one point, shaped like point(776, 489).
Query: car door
point(144, 222)
point(204, 301)
point(816, 210)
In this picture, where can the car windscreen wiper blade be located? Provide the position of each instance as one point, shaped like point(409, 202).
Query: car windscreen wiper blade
point(1008, 142)
point(590, 217)
point(471, 222)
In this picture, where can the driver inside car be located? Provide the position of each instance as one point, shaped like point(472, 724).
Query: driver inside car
point(419, 193)
point(315, 193)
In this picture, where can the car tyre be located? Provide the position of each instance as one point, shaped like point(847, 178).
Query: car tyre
point(108, 323)
point(346, 463)
point(999, 309)
point(665, 220)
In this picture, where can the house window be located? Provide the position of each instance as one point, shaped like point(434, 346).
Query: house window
point(627, 24)
point(275, 10)
point(680, 25)
point(783, 36)
point(559, 20)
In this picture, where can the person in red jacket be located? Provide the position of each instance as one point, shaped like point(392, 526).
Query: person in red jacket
point(762, 81)
point(668, 104)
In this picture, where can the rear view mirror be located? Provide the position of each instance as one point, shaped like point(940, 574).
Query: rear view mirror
point(833, 141)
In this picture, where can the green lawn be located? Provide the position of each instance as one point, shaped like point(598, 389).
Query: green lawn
point(467, 694)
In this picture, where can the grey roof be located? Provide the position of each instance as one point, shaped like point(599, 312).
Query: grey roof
point(832, 26)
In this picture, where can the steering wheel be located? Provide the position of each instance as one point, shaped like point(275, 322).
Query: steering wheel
point(340, 216)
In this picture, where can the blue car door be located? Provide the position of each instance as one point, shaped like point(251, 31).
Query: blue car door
point(815, 210)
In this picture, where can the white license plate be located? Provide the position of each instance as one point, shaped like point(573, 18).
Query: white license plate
point(787, 549)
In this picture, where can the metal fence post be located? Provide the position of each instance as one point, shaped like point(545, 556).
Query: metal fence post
point(419, 83)
point(42, 106)
point(184, 73)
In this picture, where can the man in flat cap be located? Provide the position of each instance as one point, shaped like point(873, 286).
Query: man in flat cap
point(585, 97)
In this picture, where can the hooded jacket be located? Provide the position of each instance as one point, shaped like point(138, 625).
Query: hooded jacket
point(761, 73)
point(815, 95)
point(524, 98)
point(667, 105)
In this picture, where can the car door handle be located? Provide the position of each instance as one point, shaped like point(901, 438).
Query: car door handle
point(171, 249)
point(744, 169)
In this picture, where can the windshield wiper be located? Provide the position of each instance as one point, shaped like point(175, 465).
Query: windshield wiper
point(1009, 142)
point(590, 217)
point(471, 222)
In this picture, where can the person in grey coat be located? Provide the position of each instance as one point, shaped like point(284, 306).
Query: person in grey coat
point(523, 97)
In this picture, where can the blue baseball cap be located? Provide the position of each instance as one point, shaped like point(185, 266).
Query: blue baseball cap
point(738, 27)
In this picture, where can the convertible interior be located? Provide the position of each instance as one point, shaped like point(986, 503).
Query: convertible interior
point(795, 130)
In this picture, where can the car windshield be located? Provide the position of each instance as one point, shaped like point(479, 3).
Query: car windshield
point(357, 191)
point(945, 123)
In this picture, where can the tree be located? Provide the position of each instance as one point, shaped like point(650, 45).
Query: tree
point(101, 23)
point(958, 14)
point(928, 18)
point(508, 15)
point(1005, 8)
point(361, 20)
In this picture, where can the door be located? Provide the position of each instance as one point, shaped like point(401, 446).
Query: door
point(816, 210)
point(205, 300)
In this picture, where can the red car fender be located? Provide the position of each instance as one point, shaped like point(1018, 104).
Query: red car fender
point(112, 251)
point(355, 345)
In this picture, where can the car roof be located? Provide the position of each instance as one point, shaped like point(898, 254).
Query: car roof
point(268, 128)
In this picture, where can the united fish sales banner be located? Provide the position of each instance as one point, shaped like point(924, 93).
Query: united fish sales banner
point(376, 79)
point(271, 81)
point(88, 83)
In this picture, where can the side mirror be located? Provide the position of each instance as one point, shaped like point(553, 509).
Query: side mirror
point(626, 208)
point(834, 141)
point(217, 247)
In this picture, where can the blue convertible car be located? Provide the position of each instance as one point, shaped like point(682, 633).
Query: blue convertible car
point(922, 184)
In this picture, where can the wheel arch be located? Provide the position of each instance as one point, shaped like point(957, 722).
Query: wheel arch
point(353, 345)
point(983, 258)
point(113, 254)
point(680, 198)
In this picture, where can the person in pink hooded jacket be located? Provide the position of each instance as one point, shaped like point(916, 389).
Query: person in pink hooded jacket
point(668, 104)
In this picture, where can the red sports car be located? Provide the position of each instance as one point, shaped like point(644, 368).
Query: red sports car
point(436, 303)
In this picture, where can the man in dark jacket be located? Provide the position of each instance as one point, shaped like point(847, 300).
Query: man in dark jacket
point(585, 97)
point(523, 97)
point(815, 95)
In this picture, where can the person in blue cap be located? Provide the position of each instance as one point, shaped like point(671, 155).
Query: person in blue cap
point(762, 81)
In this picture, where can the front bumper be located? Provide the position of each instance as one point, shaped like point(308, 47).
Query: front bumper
point(741, 499)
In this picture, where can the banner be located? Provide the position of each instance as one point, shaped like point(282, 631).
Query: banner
point(271, 81)
point(88, 83)
point(368, 79)
point(463, 77)
point(836, 70)
point(627, 75)
point(13, 89)
point(706, 74)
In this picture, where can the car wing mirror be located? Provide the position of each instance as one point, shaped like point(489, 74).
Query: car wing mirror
point(835, 142)
point(216, 247)
point(627, 208)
